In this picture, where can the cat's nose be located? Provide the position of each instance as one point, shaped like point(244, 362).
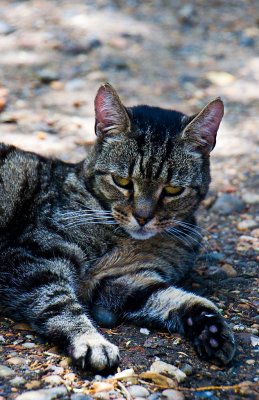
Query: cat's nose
point(141, 219)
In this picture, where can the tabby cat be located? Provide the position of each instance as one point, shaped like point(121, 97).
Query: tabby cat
point(107, 240)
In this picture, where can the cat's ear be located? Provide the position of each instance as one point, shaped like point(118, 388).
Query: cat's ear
point(111, 117)
point(201, 132)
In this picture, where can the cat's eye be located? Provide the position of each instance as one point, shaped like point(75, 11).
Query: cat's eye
point(124, 183)
point(173, 190)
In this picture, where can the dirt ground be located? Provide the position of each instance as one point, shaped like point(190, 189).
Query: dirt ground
point(175, 54)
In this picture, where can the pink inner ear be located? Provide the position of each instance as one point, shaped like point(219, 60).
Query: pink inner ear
point(207, 124)
point(101, 109)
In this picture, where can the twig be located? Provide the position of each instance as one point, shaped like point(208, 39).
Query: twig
point(124, 390)
point(233, 387)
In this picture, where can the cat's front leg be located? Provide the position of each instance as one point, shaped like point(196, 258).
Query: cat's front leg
point(44, 295)
point(193, 316)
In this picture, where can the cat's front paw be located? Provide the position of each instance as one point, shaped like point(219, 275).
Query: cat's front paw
point(93, 352)
point(210, 334)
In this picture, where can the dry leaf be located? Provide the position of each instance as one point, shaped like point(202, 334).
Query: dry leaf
point(101, 387)
point(158, 379)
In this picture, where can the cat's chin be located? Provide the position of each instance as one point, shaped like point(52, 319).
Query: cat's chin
point(140, 234)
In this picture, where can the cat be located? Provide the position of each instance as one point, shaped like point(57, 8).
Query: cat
point(108, 239)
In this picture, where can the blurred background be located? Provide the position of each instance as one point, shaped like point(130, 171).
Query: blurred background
point(170, 53)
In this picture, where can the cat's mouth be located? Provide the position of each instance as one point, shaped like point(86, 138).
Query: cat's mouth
point(140, 234)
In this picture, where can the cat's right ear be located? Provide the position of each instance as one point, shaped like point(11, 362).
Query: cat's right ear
point(201, 132)
point(111, 117)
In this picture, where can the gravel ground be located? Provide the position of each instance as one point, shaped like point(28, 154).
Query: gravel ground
point(176, 54)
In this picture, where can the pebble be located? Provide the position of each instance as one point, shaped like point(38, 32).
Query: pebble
point(80, 396)
point(171, 394)
point(254, 340)
point(22, 326)
point(47, 75)
point(228, 203)
point(239, 328)
point(6, 372)
point(56, 370)
point(33, 385)
point(2, 339)
point(187, 369)
point(155, 396)
point(138, 391)
point(186, 13)
point(65, 362)
point(206, 394)
point(213, 256)
point(16, 361)
point(53, 380)
point(216, 272)
point(17, 381)
point(6, 29)
point(229, 270)
point(28, 345)
point(250, 198)
point(102, 396)
point(145, 331)
point(162, 367)
point(75, 84)
point(246, 224)
point(43, 394)
point(250, 362)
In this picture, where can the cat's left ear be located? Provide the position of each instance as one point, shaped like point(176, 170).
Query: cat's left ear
point(201, 132)
point(111, 117)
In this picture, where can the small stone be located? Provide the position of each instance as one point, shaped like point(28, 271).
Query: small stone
point(80, 396)
point(47, 75)
point(65, 362)
point(5, 28)
point(206, 394)
point(102, 396)
point(254, 340)
point(56, 370)
point(2, 339)
point(229, 270)
point(213, 256)
point(187, 369)
point(155, 396)
point(33, 385)
point(22, 327)
point(75, 84)
point(250, 198)
point(28, 345)
point(171, 394)
point(17, 381)
point(216, 272)
point(246, 224)
point(162, 367)
point(255, 233)
point(43, 394)
point(145, 331)
point(239, 328)
point(250, 362)
point(186, 14)
point(30, 337)
point(16, 361)
point(228, 203)
point(6, 372)
point(138, 391)
point(53, 380)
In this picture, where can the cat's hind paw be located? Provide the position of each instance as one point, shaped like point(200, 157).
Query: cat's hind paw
point(210, 335)
point(93, 352)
